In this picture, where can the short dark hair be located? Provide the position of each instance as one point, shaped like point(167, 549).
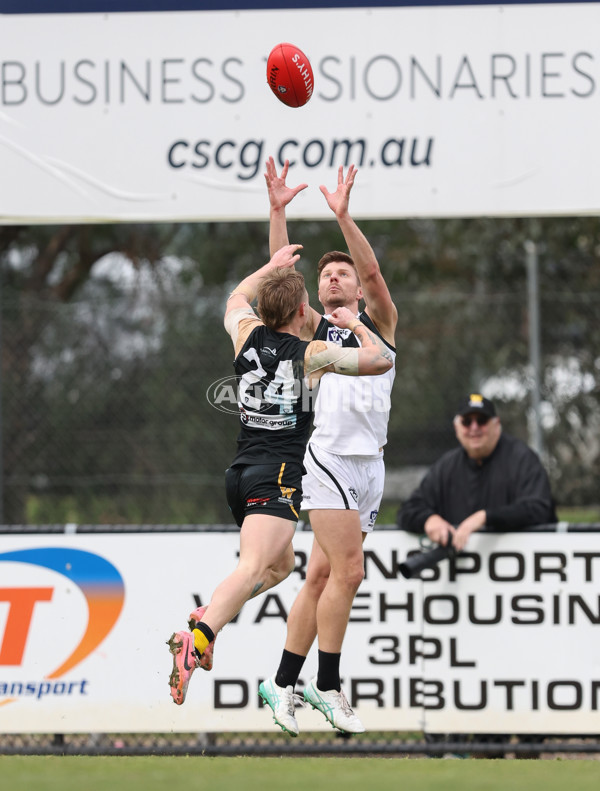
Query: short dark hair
point(279, 296)
point(335, 255)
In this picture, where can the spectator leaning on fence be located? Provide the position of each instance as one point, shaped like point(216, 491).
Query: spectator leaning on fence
point(492, 480)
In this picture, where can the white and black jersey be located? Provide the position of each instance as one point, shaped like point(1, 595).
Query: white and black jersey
point(352, 413)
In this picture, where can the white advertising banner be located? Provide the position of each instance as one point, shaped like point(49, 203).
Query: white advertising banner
point(504, 640)
point(446, 111)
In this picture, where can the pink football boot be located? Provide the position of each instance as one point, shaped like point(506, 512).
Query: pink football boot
point(185, 661)
point(206, 660)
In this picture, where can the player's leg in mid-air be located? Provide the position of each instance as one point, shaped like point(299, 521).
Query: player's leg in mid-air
point(266, 557)
point(340, 537)
point(278, 691)
point(334, 503)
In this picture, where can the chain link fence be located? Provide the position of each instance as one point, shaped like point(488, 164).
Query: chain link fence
point(398, 745)
point(106, 419)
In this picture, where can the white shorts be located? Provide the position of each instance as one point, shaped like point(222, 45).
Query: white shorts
point(335, 482)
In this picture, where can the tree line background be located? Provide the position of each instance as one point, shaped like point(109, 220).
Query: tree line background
point(111, 336)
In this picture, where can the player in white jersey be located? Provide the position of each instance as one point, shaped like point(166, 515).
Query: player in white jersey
point(343, 486)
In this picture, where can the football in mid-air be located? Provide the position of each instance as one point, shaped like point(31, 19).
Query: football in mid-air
point(290, 75)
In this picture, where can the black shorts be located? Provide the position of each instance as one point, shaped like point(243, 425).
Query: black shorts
point(274, 489)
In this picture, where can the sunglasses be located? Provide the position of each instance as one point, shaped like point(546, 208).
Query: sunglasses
point(481, 420)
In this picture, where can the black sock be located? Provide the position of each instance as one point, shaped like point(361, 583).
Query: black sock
point(328, 676)
point(206, 631)
point(289, 669)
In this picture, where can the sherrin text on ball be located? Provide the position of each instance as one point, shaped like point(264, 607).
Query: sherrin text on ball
point(290, 75)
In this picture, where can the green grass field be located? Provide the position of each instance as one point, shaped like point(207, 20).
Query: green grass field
point(77, 773)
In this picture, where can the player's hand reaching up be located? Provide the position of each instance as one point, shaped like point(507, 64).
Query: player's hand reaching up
point(285, 257)
point(279, 193)
point(338, 201)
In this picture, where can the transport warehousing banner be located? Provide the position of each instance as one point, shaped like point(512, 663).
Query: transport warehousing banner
point(504, 640)
point(158, 115)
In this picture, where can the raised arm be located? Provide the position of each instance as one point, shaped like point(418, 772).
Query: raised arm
point(279, 197)
point(371, 358)
point(240, 319)
point(245, 293)
point(378, 300)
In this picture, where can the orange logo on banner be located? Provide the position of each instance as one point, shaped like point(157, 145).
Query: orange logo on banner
point(21, 603)
point(97, 578)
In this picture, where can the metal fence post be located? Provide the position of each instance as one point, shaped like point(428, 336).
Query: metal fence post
point(535, 426)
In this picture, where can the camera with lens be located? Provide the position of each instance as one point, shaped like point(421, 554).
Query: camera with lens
point(415, 563)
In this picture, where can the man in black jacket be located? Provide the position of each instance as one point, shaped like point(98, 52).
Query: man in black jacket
point(492, 480)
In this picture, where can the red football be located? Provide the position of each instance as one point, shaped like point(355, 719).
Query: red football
point(290, 75)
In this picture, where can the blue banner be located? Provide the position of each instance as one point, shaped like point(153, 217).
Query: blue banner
point(116, 6)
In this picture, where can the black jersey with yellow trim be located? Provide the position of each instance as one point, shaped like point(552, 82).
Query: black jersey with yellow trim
point(275, 404)
point(326, 331)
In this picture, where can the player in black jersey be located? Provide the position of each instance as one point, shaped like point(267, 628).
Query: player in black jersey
point(264, 483)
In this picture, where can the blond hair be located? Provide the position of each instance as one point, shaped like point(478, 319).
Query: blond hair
point(280, 294)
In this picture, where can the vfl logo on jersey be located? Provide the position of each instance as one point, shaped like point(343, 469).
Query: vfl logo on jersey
point(372, 518)
point(337, 335)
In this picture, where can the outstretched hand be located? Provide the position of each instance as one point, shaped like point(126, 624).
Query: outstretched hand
point(279, 193)
point(338, 201)
point(285, 257)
